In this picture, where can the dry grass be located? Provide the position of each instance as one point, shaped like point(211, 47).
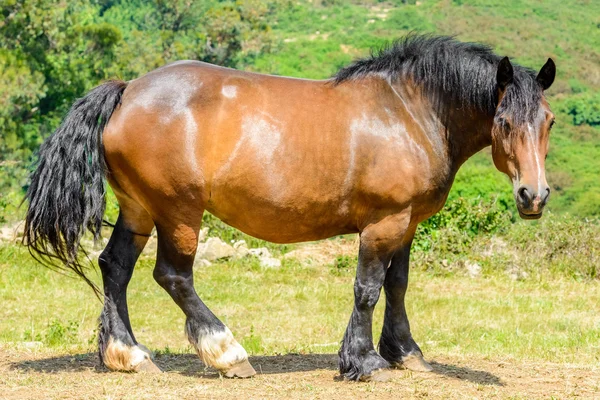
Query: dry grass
point(313, 376)
point(488, 337)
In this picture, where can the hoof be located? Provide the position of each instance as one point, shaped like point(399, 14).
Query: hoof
point(414, 362)
point(240, 370)
point(121, 357)
point(146, 350)
point(369, 368)
point(379, 375)
point(148, 366)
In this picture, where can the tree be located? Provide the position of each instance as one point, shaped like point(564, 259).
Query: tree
point(53, 51)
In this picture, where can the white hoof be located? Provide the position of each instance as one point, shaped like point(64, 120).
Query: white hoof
point(120, 357)
point(220, 350)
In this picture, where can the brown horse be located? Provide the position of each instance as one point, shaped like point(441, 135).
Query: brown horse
point(373, 151)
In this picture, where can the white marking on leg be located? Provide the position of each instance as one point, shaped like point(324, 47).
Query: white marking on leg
point(120, 357)
point(220, 350)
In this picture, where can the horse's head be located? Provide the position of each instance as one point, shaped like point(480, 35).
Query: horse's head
point(520, 134)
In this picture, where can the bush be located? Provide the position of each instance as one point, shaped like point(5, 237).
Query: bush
point(56, 334)
point(343, 264)
point(462, 220)
point(561, 245)
point(2, 209)
point(584, 108)
point(556, 246)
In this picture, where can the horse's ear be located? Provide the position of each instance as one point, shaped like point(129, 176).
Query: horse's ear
point(504, 76)
point(547, 74)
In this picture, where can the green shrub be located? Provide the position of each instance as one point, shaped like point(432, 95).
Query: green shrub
point(464, 219)
point(2, 209)
point(55, 334)
point(559, 244)
point(343, 264)
point(584, 108)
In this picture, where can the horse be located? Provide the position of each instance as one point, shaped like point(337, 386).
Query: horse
point(373, 150)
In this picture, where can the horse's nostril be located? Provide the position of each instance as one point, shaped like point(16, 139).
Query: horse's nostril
point(522, 192)
point(525, 195)
point(545, 195)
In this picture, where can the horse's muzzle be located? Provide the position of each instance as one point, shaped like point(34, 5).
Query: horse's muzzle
point(531, 202)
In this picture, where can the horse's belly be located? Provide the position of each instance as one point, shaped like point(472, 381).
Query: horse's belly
point(280, 210)
point(279, 226)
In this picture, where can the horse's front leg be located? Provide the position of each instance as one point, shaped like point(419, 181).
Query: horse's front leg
point(396, 344)
point(378, 243)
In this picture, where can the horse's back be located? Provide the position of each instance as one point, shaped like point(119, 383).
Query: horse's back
point(283, 159)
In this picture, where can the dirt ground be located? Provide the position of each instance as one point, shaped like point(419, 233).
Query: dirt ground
point(26, 374)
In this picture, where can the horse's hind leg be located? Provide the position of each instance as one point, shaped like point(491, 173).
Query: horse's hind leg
point(117, 346)
point(214, 342)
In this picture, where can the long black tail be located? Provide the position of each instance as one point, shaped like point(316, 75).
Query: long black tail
point(66, 192)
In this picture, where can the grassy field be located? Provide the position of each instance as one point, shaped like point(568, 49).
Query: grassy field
point(489, 335)
point(502, 309)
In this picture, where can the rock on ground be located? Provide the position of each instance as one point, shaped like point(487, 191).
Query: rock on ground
point(216, 249)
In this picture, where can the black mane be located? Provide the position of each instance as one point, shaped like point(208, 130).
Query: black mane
point(451, 72)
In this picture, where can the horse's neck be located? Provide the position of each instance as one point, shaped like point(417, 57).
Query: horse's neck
point(468, 132)
point(463, 132)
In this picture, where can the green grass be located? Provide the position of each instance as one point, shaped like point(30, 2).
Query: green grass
point(304, 308)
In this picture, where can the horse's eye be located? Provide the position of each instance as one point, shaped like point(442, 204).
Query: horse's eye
point(551, 124)
point(503, 122)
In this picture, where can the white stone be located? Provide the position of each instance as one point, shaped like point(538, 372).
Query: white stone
point(473, 269)
point(241, 249)
point(260, 252)
point(214, 249)
point(198, 262)
point(12, 233)
point(270, 262)
point(203, 234)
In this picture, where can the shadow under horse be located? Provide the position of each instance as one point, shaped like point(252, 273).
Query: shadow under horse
point(187, 364)
point(373, 150)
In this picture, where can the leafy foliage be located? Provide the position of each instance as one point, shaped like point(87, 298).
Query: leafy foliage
point(343, 264)
point(584, 108)
point(458, 223)
point(53, 52)
point(55, 334)
point(2, 208)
